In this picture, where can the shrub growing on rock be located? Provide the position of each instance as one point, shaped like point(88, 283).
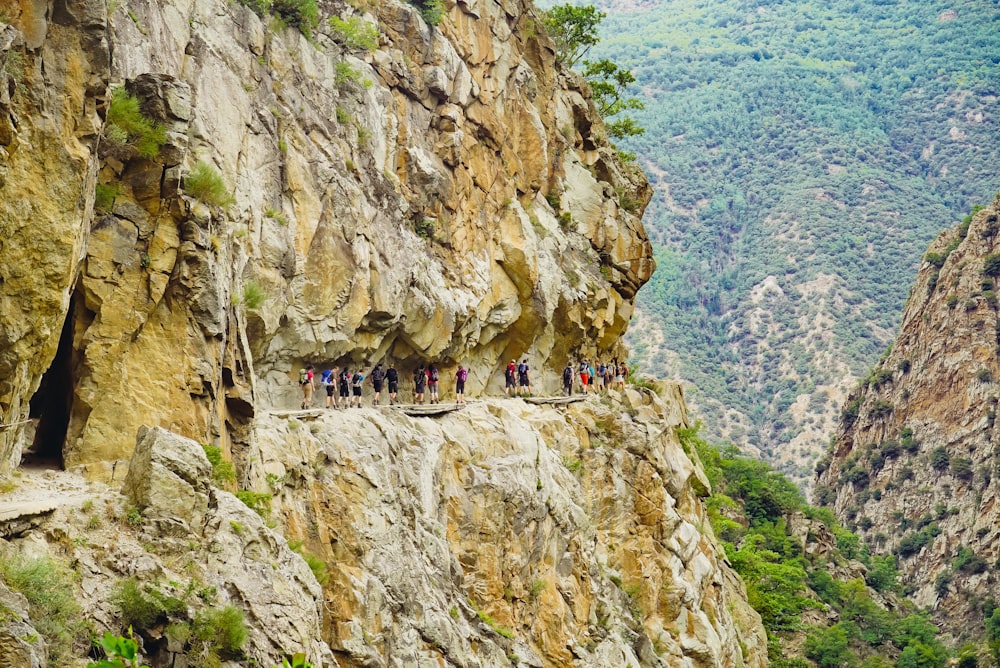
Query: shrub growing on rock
point(205, 183)
point(129, 130)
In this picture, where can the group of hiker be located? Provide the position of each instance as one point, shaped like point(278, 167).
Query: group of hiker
point(604, 377)
point(344, 386)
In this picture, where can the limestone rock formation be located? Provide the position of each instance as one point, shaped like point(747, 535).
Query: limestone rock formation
point(505, 533)
point(913, 465)
point(449, 196)
point(563, 535)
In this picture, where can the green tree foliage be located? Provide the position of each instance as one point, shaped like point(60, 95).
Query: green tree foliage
point(354, 33)
point(432, 11)
point(121, 652)
point(829, 648)
point(573, 29)
point(791, 143)
point(749, 509)
point(300, 14)
point(608, 84)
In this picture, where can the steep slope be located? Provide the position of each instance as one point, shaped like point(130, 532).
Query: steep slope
point(803, 154)
point(913, 464)
point(504, 534)
point(445, 197)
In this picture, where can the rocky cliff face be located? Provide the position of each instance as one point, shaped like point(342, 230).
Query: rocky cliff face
point(446, 197)
point(913, 464)
point(449, 197)
point(504, 534)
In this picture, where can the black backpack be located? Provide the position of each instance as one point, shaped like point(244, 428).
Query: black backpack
point(567, 374)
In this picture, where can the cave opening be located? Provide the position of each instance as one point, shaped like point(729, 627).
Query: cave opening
point(52, 404)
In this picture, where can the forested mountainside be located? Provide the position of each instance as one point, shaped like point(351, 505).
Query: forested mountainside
point(803, 155)
point(914, 464)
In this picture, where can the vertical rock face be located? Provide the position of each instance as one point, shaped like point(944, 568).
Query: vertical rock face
point(913, 465)
point(448, 196)
point(562, 536)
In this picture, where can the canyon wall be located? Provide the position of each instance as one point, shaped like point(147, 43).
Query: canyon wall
point(913, 465)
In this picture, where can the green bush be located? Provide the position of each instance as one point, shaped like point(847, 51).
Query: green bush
point(432, 11)
point(222, 470)
point(829, 647)
point(936, 259)
point(129, 129)
point(346, 73)
point(221, 630)
point(961, 467)
point(991, 265)
point(204, 183)
point(53, 610)
point(425, 227)
point(849, 415)
point(143, 607)
point(354, 33)
point(259, 502)
point(300, 14)
point(881, 408)
point(104, 197)
point(253, 296)
point(940, 459)
point(969, 562)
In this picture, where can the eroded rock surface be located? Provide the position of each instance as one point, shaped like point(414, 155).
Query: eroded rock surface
point(449, 196)
point(913, 466)
point(578, 532)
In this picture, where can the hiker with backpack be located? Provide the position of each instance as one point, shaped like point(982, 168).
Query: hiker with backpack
point(392, 378)
point(307, 384)
point(460, 377)
point(356, 383)
point(568, 379)
point(510, 378)
point(378, 376)
point(523, 378)
point(344, 383)
point(419, 380)
point(621, 376)
point(329, 382)
point(432, 384)
point(601, 373)
point(584, 375)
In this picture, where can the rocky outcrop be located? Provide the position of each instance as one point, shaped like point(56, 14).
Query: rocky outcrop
point(181, 541)
point(448, 196)
point(913, 465)
point(501, 534)
point(560, 535)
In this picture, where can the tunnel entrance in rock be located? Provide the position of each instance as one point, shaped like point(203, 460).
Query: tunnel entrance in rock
point(52, 403)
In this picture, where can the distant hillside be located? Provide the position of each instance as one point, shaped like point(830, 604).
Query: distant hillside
point(804, 154)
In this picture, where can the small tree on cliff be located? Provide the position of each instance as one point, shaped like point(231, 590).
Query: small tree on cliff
point(574, 31)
